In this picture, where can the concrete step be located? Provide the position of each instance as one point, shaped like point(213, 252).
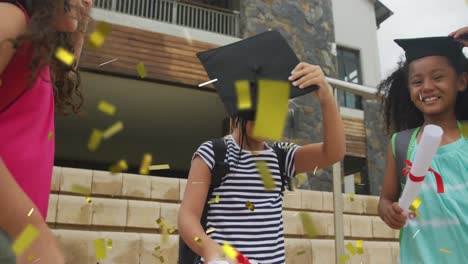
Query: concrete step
point(129, 247)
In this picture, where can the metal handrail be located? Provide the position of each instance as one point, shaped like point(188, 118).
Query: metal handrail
point(177, 12)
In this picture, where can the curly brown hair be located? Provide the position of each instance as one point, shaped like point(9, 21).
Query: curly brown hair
point(45, 39)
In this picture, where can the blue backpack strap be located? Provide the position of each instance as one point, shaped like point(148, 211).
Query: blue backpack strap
point(400, 145)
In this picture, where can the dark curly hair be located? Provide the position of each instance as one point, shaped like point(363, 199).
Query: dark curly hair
point(44, 40)
point(399, 111)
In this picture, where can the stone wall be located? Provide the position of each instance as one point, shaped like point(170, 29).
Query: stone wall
point(377, 142)
point(307, 25)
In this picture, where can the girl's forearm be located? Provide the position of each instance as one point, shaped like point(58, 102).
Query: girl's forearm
point(333, 129)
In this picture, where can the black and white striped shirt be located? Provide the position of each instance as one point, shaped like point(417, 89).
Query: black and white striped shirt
point(256, 234)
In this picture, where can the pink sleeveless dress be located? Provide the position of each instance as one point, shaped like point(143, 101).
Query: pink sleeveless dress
point(25, 125)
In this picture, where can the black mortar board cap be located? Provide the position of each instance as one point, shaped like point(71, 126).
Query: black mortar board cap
point(264, 56)
point(416, 48)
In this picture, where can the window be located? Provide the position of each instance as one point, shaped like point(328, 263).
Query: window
point(226, 4)
point(349, 70)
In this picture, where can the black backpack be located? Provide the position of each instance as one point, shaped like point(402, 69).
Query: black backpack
point(221, 168)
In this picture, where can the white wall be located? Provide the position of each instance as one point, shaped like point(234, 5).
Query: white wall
point(355, 28)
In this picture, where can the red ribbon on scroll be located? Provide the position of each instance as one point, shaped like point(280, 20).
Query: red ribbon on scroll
point(406, 171)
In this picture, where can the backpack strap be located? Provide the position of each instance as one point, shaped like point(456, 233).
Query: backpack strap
point(285, 180)
point(400, 146)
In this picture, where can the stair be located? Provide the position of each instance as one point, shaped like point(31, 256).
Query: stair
point(124, 208)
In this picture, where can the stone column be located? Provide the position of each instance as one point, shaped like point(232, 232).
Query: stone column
point(307, 25)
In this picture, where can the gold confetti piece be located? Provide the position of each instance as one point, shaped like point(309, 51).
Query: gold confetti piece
point(141, 70)
point(171, 230)
point(145, 163)
point(243, 95)
point(109, 243)
point(160, 221)
point(50, 135)
point(359, 248)
point(445, 251)
point(161, 258)
point(301, 178)
point(31, 257)
point(343, 258)
point(250, 206)
point(265, 173)
point(31, 211)
point(114, 129)
point(351, 197)
point(64, 56)
point(255, 153)
point(25, 239)
point(415, 204)
point(159, 167)
point(315, 170)
point(94, 140)
point(301, 253)
point(98, 36)
point(417, 213)
point(198, 240)
point(120, 166)
point(106, 107)
point(229, 251)
point(351, 248)
point(272, 109)
point(308, 225)
point(100, 249)
point(88, 199)
point(464, 128)
point(211, 230)
point(81, 189)
point(215, 200)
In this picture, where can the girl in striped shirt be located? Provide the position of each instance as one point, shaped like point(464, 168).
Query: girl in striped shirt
point(257, 234)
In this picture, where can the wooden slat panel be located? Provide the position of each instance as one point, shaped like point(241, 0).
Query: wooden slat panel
point(355, 137)
point(166, 58)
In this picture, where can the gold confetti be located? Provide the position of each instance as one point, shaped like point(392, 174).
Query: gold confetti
point(25, 239)
point(351, 248)
point(100, 249)
point(250, 206)
point(272, 109)
point(359, 248)
point(415, 204)
point(308, 225)
point(464, 128)
point(98, 36)
point(64, 56)
point(215, 200)
point(445, 251)
point(31, 257)
point(94, 140)
point(301, 253)
point(164, 231)
point(171, 230)
point(120, 166)
point(301, 178)
point(106, 107)
point(50, 135)
point(351, 197)
point(141, 70)
point(81, 189)
point(229, 251)
point(145, 163)
point(211, 230)
point(157, 248)
point(243, 95)
point(265, 173)
point(159, 167)
point(161, 258)
point(160, 221)
point(31, 211)
point(109, 243)
point(315, 170)
point(88, 199)
point(343, 259)
point(114, 129)
point(198, 240)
